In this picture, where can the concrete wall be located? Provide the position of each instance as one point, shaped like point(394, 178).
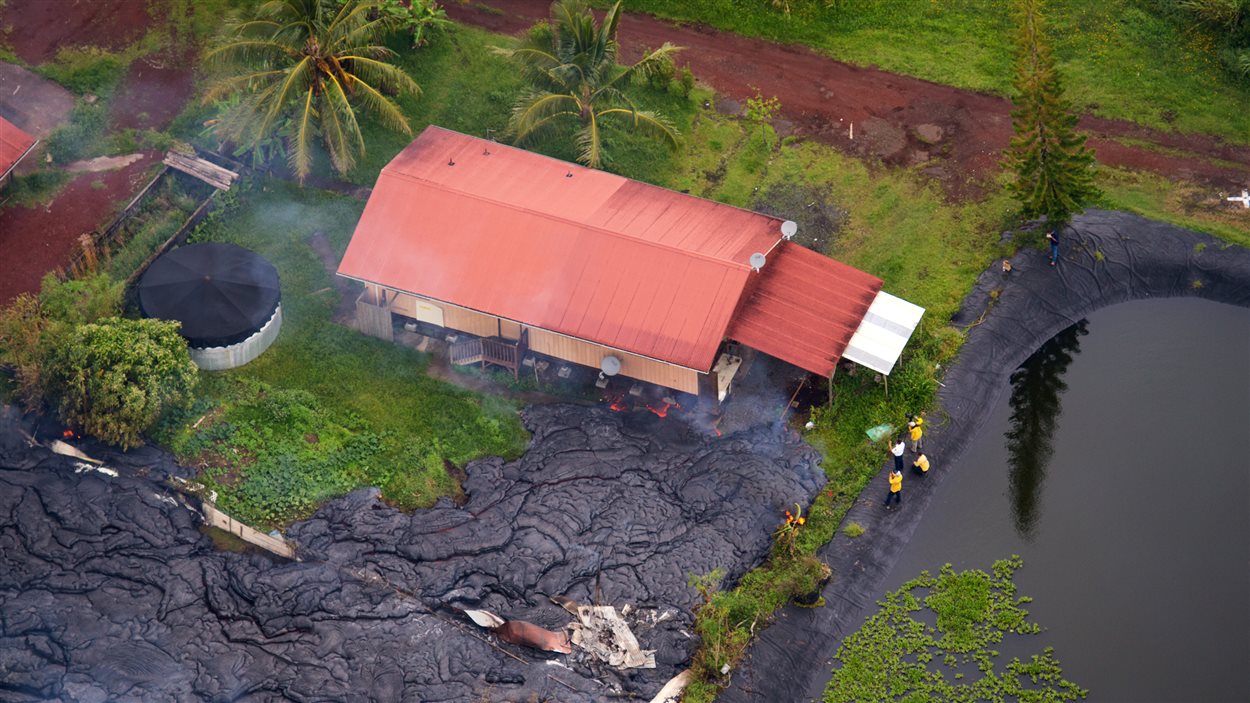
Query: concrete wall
point(222, 521)
point(220, 358)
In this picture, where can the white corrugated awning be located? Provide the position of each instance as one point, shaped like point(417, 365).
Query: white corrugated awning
point(883, 333)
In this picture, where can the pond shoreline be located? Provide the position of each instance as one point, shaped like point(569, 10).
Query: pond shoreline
point(1107, 258)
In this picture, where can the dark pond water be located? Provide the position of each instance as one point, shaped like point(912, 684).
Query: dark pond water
point(1118, 467)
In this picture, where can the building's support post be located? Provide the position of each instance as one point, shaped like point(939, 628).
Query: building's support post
point(374, 319)
point(709, 391)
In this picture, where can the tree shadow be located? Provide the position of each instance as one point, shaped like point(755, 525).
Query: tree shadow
point(1036, 387)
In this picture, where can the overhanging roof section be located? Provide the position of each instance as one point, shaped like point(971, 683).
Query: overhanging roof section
point(804, 307)
point(880, 339)
point(14, 144)
point(554, 245)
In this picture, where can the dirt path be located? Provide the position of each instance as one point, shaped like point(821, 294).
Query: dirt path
point(822, 97)
point(43, 27)
point(154, 90)
point(34, 241)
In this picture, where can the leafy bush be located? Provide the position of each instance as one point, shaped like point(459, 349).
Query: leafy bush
point(32, 327)
point(417, 18)
point(114, 378)
point(81, 136)
point(80, 301)
point(36, 188)
point(686, 83)
point(663, 73)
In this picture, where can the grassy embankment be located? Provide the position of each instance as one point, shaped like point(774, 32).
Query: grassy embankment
point(1121, 58)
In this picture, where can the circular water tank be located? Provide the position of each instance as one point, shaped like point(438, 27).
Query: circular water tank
point(226, 297)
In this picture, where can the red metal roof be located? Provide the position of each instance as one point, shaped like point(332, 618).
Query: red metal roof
point(592, 255)
point(14, 143)
point(588, 254)
point(803, 307)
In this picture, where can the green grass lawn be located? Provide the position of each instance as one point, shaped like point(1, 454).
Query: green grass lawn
point(1181, 204)
point(326, 409)
point(1120, 58)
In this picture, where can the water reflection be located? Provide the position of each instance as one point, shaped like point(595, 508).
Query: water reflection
point(1035, 390)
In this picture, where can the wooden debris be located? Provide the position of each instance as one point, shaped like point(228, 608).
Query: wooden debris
point(207, 171)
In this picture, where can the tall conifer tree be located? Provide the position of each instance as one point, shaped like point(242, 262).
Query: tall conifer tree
point(1054, 170)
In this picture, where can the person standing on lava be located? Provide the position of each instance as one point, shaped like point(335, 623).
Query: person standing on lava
point(896, 488)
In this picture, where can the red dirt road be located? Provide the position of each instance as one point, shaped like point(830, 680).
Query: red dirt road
point(42, 27)
point(822, 97)
point(154, 90)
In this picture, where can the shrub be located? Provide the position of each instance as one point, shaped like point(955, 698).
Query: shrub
point(36, 188)
point(686, 84)
point(22, 348)
point(31, 327)
point(853, 529)
point(114, 379)
point(81, 300)
point(78, 138)
point(662, 74)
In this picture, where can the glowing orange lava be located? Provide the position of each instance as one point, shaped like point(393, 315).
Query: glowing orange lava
point(662, 411)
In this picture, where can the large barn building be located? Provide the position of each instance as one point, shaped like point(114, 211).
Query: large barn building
point(528, 254)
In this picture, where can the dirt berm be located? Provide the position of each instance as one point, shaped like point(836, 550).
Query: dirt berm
point(1107, 258)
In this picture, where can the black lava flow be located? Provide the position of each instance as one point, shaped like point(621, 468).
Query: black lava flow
point(110, 592)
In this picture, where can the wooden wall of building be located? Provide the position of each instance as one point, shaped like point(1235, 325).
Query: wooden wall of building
point(542, 341)
point(634, 366)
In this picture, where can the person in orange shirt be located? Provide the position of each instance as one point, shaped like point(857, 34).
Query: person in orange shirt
point(896, 488)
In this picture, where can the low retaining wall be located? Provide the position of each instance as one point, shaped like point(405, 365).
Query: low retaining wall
point(221, 358)
point(215, 518)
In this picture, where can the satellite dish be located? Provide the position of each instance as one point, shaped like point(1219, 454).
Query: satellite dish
point(788, 228)
point(758, 260)
point(610, 365)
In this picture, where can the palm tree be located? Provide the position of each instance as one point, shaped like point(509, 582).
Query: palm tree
point(301, 68)
point(571, 65)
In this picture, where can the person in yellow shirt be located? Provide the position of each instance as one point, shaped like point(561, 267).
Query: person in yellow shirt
point(896, 488)
point(920, 465)
point(914, 428)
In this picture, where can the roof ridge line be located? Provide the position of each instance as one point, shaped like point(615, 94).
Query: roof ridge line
point(627, 179)
point(557, 218)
